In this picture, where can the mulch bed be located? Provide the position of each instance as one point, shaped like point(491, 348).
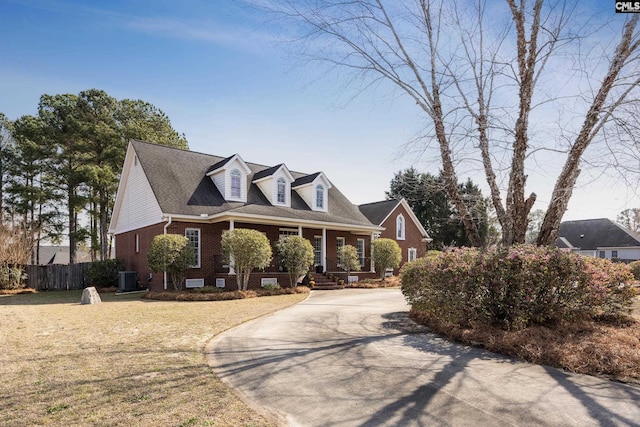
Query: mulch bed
point(609, 347)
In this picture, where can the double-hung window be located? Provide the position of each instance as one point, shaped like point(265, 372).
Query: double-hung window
point(236, 180)
point(319, 196)
point(339, 246)
point(193, 234)
point(317, 250)
point(282, 191)
point(361, 252)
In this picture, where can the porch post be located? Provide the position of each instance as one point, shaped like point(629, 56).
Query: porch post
point(324, 250)
point(300, 230)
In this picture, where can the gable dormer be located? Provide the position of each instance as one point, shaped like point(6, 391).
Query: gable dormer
point(314, 190)
point(230, 177)
point(275, 184)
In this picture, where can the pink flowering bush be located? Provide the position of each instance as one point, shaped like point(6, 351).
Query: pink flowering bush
point(515, 287)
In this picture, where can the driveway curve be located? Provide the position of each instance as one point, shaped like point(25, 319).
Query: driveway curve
point(354, 358)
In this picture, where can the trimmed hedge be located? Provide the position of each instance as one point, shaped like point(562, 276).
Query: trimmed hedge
point(516, 287)
point(221, 296)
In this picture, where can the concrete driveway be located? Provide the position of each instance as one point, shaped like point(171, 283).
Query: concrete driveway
point(353, 358)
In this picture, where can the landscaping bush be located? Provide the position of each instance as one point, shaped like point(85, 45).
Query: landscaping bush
point(105, 273)
point(515, 287)
point(12, 277)
point(635, 269)
point(222, 295)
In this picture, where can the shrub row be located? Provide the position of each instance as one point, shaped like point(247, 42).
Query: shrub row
point(221, 296)
point(516, 287)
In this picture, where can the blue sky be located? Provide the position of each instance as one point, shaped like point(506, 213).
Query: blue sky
point(228, 85)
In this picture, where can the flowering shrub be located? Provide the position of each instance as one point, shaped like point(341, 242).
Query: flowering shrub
point(515, 287)
point(635, 269)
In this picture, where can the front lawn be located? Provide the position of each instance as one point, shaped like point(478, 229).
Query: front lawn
point(126, 361)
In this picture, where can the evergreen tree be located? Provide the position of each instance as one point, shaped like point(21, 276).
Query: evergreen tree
point(33, 194)
point(427, 196)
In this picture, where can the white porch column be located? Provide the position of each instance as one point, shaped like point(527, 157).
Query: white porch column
point(300, 230)
point(324, 250)
point(232, 225)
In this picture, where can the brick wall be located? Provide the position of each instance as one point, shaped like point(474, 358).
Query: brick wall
point(413, 237)
point(211, 252)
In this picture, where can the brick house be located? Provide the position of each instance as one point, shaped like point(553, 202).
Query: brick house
point(169, 190)
point(399, 223)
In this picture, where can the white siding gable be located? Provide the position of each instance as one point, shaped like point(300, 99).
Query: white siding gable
point(222, 178)
point(136, 205)
point(309, 193)
point(269, 186)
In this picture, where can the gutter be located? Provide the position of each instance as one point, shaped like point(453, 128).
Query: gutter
point(165, 232)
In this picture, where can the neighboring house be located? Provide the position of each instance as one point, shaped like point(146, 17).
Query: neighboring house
point(60, 255)
point(600, 238)
point(400, 224)
point(169, 190)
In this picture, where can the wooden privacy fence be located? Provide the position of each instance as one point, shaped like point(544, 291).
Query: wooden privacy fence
point(58, 276)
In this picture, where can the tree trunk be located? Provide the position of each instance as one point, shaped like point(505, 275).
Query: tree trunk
point(72, 224)
point(104, 240)
point(595, 118)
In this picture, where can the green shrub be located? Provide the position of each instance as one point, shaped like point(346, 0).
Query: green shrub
point(515, 287)
point(271, 287)
point(105, 273)
point(173, 254)
point(386, 254)
point(12, 277)
point(635, 269)
point(297, 256)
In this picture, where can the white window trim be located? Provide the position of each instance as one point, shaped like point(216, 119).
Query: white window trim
point(362, 259)
point(344, 242)
point(231, 187)
point(319, 250)
point(281, 182)
point(197, 264)
point(137, 243)
point(413, 251)
point(319, 189)
point(400, 231)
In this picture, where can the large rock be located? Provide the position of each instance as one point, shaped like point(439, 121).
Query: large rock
point(90, 296)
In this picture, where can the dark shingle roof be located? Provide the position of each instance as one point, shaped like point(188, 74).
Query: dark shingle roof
point(597, 233)
point(306, 179)
point(267, 172)
point(376, 212)
point(179, 182)
point(219, 164)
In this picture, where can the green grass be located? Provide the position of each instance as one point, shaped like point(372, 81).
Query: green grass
point(127, 361)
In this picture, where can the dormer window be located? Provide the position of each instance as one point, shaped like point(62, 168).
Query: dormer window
point(314, 190)
point(230, 178)
point(400, 227)
point(319, 196)
point(236, 183)
point(282, 191)
point(275, 184)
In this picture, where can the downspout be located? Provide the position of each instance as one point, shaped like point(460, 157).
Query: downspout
point(165, 232)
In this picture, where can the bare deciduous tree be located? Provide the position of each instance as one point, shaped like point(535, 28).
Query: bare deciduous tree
point(491, 78)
